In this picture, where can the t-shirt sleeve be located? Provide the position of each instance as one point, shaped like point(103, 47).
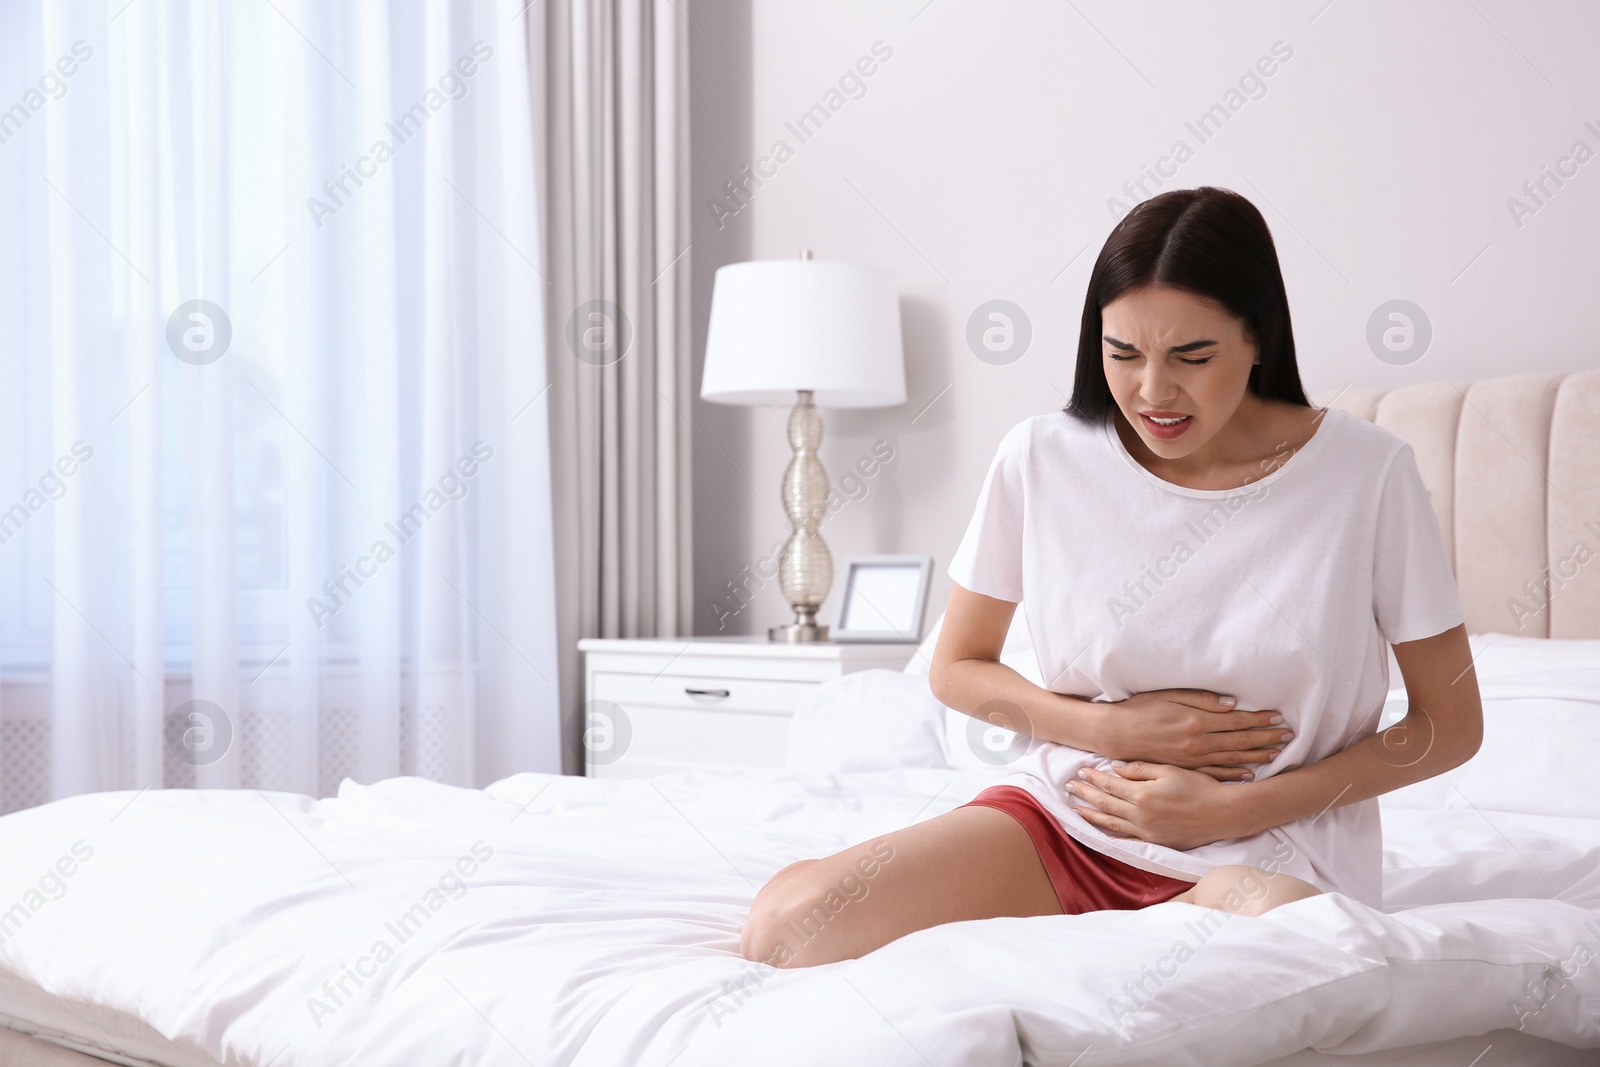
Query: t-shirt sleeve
point(1414, 594)
point(989, 558)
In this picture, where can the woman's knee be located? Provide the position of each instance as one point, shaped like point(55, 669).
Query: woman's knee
point(1249, 890)
point(762, 939)
point(782, 909)
point(785, 872)
point(795, 909)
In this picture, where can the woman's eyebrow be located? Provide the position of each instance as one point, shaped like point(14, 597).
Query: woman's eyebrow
point(1126, 347)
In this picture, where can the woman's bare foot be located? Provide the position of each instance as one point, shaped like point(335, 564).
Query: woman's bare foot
point(1246, 890)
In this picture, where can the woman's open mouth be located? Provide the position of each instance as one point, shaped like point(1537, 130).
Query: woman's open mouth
point(1165, 424)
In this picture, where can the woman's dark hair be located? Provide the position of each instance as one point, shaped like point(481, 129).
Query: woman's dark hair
point(1209, 242)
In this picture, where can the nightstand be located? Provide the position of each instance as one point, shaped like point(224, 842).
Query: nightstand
point(656, 705)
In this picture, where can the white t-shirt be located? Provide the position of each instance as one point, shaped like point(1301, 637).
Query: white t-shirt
point(1282, 593)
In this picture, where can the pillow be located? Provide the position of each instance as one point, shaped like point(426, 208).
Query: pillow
point(1510, 666)
point(872, 720)
point(969, 743)
point(1541, 729)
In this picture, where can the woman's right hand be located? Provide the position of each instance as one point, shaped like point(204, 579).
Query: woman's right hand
point(1192, 728)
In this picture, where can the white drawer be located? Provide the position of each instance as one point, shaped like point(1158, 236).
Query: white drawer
point(675, 739)
point(699, 692)
point(633, 768)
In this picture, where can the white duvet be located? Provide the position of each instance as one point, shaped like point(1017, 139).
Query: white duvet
point(551, 920)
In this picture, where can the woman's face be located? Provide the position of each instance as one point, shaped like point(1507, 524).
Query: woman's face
point(1178, 367)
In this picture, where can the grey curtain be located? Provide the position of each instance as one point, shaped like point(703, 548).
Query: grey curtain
point(610, 85)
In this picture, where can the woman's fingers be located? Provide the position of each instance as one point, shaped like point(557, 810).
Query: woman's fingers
point(1247, 720)
point(1110, 823)
point(1254, 755)
point(1228, 740)
point(1228, 774)
point(1101, 798)
point(1229, 759)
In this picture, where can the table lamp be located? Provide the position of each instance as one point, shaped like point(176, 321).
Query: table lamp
point(811, 332)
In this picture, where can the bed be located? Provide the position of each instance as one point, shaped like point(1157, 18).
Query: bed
point(560, 920)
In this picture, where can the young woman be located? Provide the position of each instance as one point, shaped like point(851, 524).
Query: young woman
point(1214, 572)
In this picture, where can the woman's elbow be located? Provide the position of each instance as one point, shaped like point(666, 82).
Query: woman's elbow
point(1474, 740)
point(1466, 737)
point(939, 681)
point(1434, 742)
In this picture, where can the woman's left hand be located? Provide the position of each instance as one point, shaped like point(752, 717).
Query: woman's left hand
point(1156, 802)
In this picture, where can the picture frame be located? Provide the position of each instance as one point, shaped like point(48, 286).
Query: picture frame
point(884, 599)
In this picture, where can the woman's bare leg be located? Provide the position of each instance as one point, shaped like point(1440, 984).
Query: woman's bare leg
point(1246, 890)
point(969, 863)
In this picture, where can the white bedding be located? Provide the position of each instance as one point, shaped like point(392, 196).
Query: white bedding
point(599, 926)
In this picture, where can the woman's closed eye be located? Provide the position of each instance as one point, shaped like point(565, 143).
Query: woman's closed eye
point(1192, 362)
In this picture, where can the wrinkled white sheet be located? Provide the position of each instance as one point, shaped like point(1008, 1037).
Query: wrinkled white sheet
point(600, 923)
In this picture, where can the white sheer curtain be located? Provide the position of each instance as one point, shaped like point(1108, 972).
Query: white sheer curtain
point(274, 449)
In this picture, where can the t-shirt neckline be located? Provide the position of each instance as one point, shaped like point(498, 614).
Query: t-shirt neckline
point(1114, 442)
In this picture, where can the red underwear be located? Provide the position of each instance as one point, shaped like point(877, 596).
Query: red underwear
point(1084, 880)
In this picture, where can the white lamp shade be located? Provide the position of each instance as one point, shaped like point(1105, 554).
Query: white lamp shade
point(781, 325)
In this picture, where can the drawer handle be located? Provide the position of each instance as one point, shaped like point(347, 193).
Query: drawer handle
point(705, 692)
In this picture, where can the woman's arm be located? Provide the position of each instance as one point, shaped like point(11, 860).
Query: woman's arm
point(1442, 730)
point(966, 674)
point(1189, 728)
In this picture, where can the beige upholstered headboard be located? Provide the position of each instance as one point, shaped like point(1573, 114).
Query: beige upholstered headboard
point(1513, 468)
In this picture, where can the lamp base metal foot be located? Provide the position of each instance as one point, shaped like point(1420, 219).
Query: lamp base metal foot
point(797, 633)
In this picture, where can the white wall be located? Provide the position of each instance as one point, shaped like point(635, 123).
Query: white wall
point(1383, 153)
